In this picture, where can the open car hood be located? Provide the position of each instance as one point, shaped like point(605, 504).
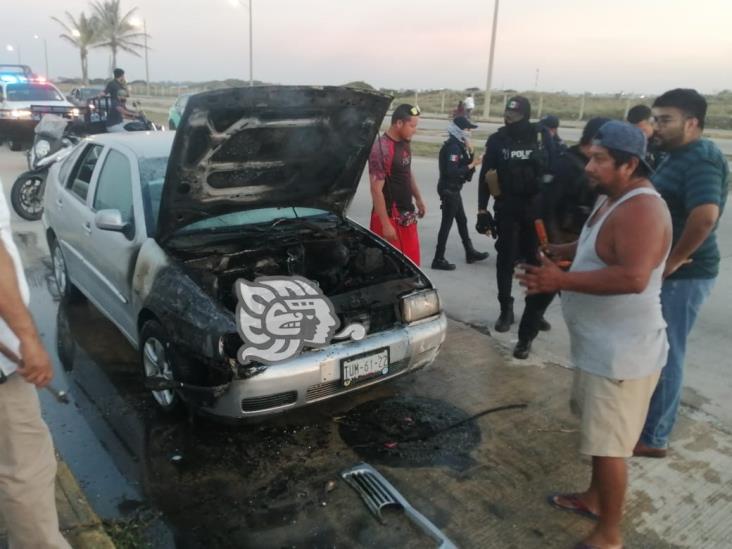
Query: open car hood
point(268, 146)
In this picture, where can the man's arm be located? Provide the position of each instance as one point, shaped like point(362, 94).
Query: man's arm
point(489, 164)
point(640, 234)
point(36, 365)
point(421, 209)
point(704, 182)
point(699, 225)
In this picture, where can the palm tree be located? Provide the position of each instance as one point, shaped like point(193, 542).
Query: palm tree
point(116, 31)
point(80, 33)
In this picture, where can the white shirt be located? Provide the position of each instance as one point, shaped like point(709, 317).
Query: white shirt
point(469, 103)
point(615, 336)
point(6, 335)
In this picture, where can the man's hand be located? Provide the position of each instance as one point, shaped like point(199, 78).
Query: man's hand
point(673, 265)
point(389, 231)
point(476, 162)
point(545, 279)
point(36, 365)
point(486, 224)
point(421, 209)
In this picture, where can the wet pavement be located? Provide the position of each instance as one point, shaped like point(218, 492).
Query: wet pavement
point(474, 442)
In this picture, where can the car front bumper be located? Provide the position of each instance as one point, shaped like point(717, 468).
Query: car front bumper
point(315, 376)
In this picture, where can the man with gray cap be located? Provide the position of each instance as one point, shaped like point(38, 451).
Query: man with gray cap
point(611, 303)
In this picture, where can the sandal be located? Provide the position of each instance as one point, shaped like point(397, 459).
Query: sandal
point(574, 504)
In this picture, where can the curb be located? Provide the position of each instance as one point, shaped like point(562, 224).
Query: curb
point(80, 525)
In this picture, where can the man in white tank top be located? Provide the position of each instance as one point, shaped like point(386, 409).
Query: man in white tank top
point(611, 303)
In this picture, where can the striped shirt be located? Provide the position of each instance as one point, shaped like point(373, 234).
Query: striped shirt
point(690, 176)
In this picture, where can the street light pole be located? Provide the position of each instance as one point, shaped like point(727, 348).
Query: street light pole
point(251, 47)
point(147, 66)
point(487, 106)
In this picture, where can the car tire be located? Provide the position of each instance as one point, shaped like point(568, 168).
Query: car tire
point(155, 361)
point(15, 145)
point(66, 288)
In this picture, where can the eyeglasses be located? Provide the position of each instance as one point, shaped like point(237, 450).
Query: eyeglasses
point(415, 111)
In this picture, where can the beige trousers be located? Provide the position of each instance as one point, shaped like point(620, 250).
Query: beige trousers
point(27, 470)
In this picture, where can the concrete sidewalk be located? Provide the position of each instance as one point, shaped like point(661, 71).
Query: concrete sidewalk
point(80, 525)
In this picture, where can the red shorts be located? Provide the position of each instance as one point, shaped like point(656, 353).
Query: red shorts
point(407, 237)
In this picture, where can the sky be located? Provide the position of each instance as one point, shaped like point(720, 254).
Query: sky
point(631, 46)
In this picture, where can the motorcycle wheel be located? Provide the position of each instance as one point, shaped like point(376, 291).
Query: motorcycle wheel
point(27, 195)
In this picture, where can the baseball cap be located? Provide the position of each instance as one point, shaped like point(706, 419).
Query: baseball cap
point(549, 121)
point(463, 123)
point(622, 136)
point(520, 104)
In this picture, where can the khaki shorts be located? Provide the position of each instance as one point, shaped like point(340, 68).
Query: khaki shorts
point(612, 412)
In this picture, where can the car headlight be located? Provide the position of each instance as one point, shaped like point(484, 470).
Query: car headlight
point(20, 113)
point(74, 113)
point(42, 148)
point(419, 305)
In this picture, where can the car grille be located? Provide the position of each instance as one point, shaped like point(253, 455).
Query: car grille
point(322, 390)
point(257, 404)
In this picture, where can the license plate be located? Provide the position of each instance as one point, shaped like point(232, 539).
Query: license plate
point(365, 366)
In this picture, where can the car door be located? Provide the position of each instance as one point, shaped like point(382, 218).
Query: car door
point(72, 215)
point(113, 253)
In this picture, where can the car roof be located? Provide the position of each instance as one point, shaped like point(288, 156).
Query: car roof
point(141, 144)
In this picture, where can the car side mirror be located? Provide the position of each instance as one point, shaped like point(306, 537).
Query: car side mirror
point(110, 220)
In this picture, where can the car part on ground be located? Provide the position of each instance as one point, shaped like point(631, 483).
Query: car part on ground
point(378, 493)
point(26, 195)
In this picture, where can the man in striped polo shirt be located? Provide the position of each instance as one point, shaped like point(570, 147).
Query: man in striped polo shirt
point(693, 181)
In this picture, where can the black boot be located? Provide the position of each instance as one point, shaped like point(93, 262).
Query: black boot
point(503, 324)
point(442, 264)
point(544, 325)
point(522, 349)
point(472, 255)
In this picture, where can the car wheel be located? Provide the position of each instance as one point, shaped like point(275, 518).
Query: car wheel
point(156, 359)
point(15, 145)
point(61, 274)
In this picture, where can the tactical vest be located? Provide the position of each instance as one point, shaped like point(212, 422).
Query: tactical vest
point(522, 166)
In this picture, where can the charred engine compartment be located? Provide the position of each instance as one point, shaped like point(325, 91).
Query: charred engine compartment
point(363, 277)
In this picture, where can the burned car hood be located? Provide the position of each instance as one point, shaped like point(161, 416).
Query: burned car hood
point(268, 146)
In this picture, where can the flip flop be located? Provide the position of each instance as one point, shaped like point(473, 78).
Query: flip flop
point(575, 505)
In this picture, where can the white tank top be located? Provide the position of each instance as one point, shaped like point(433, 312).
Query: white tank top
point(615, 336)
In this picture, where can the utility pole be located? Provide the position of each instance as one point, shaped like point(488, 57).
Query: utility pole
point(487, 106)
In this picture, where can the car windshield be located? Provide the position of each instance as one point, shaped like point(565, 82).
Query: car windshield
point(32, 92)
point(152, 175)
point(88, 93)
point(221, 223)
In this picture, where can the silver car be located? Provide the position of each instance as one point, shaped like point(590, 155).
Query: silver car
point(156, 229)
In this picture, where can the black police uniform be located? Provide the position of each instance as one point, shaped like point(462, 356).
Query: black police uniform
point(455, 171)
point(522, 155)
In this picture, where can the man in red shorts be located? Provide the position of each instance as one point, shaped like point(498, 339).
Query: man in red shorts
point(393, 188)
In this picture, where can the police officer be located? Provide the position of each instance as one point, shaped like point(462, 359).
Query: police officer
point(566, 203)
point(518, 159)
point(457, 166)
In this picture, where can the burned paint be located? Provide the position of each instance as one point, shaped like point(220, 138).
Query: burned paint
point(268, 146)
point(411, 432)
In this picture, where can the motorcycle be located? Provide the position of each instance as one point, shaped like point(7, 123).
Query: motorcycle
point(54, 139)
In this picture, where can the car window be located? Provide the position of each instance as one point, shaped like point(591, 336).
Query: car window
point(67, 164)
point(114, 186)
point(32, 92)
point(82, 173)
